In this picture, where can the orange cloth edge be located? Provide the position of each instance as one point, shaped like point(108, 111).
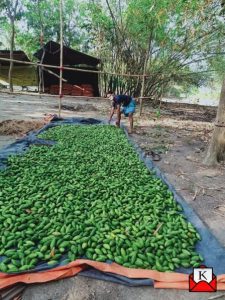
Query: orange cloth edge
point(162, 279)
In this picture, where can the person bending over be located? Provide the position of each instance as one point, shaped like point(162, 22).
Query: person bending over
point(122, 104)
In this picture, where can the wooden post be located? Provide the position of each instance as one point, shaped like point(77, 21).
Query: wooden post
point(144, 70)
point(43, 82)
point(39, 83)
point(61, 55)
point(142, 93)
point(162, 91)
point(41, 77)
point(141, 105)
point(12, 46)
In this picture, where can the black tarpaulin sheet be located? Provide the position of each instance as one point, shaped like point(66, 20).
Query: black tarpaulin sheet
point(211, 249)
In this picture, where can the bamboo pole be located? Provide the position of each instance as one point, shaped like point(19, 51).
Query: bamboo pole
point(12, 45)
point(69, 68)
point(54, 74)
point(61, 56)
point(98, 72)
point(41, 75)
point(43, 82)
point(142, 94)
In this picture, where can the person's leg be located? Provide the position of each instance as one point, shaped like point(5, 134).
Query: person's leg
point(118, 117)
point(131, 121)
point(129, 111)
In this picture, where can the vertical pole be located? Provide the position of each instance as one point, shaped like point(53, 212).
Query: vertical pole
point(141, 105)
point(162, 90)
point(41, 76)
point(61, 55)
point(144, 71)
point(40, 71)
point(142, 93)
point(43, 82)
point(40, 79)
point(12, 45)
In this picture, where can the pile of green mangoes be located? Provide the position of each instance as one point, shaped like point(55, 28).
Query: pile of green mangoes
point(90, 196)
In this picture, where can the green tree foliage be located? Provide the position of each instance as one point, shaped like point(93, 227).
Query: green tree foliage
point(176, 37)
point(41, 24)
point(167, 40)
point(11, 12)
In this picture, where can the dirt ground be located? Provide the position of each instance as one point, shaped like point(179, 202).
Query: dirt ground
point(182, 138)
point(179, 133)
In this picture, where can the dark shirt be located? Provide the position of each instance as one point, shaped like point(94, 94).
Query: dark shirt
point(121, 100)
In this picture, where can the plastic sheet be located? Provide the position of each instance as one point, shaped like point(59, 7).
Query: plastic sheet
point(209, 247)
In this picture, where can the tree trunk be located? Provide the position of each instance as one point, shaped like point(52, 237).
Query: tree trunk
point(11, 55)
point(216, 150)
